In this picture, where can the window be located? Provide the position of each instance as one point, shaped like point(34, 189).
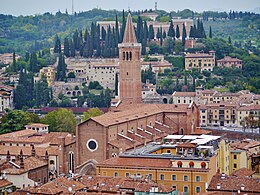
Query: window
point(186, 189)
point(173, 177)
point(197, 189)
point(71, 162)
point(235, 165)
point(197, 178)
point(174, 187)
point(127, 174)
point(185, 178)
point(162, 177)
point(169, 151)
point(235, 156)
point(116, 174)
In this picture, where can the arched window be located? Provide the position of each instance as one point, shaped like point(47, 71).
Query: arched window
point(130, 55)
point(123, 55)
point(127, 57)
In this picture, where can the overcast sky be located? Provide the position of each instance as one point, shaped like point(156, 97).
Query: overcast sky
point(31, 7)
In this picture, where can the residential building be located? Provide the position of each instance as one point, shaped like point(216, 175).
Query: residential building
point(245, 112)
point(200, 61)
point(7, 58)
point(6, 97)
point(6, 187)
point(151, 15)
point(35, 140)
point(87, 70)
point(229, 62)
point(49, 73)
point(183, 97)
point(23, 172)
point(221, 114)
point(69, 89)
point(178, 163)
point(61, 185)
point(239, 183)
point(232, 156)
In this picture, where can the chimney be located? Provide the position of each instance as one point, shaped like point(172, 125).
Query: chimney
point(46, 155)
point(8, 156)
point(33, 151)
point(21, 160)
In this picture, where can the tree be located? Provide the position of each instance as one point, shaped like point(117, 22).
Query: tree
point(171, 31)
point(14, 66)
point(92, 112)
point(191, 32)
point(15, 120)
point(57, 47)
point(184, 35)
point(61, 68)
point(210, 32)
point(151, 32)
point(61, 120)
point(229, 40)
point(42, 94)
point(66, 47)
point(177, 32)
point(33, 63)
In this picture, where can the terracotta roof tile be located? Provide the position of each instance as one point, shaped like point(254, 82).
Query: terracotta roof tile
point(229, 183)
point(243, 172)
point(4, 183)
point(138, 111)
point(138, 162)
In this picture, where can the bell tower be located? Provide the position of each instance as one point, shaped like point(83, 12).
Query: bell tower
point(130, 85)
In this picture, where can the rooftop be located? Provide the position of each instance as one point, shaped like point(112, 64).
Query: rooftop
point(225, 183)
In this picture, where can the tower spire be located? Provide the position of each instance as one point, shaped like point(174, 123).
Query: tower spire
point(129, 35)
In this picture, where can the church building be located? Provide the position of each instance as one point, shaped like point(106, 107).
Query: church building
point(130, 124)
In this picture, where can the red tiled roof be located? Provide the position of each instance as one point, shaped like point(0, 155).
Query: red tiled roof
point(138, 162)
point(243, 172)
point(139, 111)
point(5, 183)
point(29, 164)
point(229, 183)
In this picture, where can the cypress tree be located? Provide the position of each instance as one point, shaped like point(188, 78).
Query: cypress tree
point(61, 68)
point(27, 57)
point(171, 31)
point(177, 32)
point(184, 35)
point(210, 32)
point(14, 66)
point(191, 32)
point(98, 51)
point(139, 29)
point(57, 47)
point(72, 49)
point(66, 47)
point(151, 32)
point(229, 40)
point(103, 34)
point(33, 63)
point(122, 31)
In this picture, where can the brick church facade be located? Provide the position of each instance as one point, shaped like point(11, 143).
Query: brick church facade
point(131, 124)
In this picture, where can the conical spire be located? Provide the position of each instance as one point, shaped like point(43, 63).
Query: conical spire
point(129, 35)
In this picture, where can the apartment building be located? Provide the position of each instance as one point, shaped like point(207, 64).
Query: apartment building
point(183, 162)
point(200, 61)
point(229, 62)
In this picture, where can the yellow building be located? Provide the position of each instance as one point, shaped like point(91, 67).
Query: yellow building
point(246, 111)
point(49, 73)
point(237, 155)
point(201, 61)
point(184, 162)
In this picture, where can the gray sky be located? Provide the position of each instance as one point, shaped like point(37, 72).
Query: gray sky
point(31, 7)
